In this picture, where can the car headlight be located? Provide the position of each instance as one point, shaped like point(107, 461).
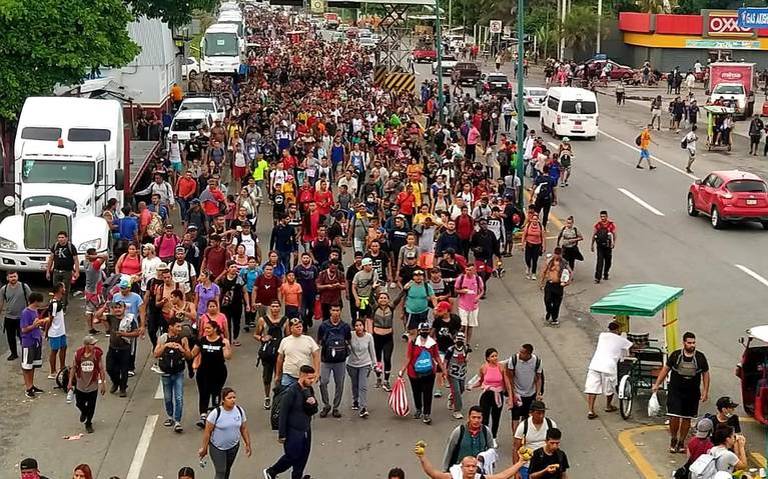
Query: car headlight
point(94, 243)
point(5, 243)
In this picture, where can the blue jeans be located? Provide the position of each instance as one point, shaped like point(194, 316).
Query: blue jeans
point(173, 392)
point(457, 389)
point(288, 380)
point(524, 472)
point(183, 207)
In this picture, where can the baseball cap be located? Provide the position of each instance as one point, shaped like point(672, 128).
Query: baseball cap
point(358, 254)
point(125, 283)
point(90, 340)
point(704, 428)
point(180, 249)
point(191, 228)
point(168, 226)
point(28, 463)
point(163, 267)
point(725, 402)
point(367, 261)
point(538, 406)
point(423, 326)
point(443, 306)
point(460, 336)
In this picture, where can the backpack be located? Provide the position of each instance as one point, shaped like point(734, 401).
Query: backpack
point(423, 364)
point(277, 403)
point(513, 363)
point(23, 290)
point(543, 192)
point(704, 467)
point(638, 140)
point(602, 237)
point(172, 361)
point(462, 430)
point(684, 143)
point(218, 414)
point(525, 427)
point(334, 347)
point(477, 282)
point(268, 350)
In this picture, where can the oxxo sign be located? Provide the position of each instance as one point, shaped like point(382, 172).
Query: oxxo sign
point(724, 24)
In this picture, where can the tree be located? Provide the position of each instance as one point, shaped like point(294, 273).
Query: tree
point(176, 13)
point(580, 27)
point(45, 43)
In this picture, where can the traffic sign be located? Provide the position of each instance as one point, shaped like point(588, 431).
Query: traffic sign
point(753, 17)
point(495, 26)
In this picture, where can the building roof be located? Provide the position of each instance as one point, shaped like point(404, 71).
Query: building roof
point(156, 42)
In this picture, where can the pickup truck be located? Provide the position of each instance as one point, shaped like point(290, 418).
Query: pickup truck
point(469, 73)
point(447, 65)
point(424, 54)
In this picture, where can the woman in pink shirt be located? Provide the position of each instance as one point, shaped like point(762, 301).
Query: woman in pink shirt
point(473, 136)
point(534, 240)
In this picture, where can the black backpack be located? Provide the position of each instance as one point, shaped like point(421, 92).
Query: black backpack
point(462, 430)
point(278, 394)
point(545, 192)
point(602, 237)
point(172, 361)
point(268, 350)
point(513, 363)
point(334, 346)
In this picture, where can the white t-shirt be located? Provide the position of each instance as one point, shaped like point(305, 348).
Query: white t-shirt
point(610, 348)
point(149, 270)
point(240, 160)
point(181, 275)
point(296, 351)
point(535, 438)
point(57, 328)
point(691, 141)
point(726, 459)
point(249, 243)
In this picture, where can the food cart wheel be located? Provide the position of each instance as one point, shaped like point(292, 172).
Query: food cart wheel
point(626, 393)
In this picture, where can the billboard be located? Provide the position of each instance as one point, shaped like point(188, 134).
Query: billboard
point(724, 24)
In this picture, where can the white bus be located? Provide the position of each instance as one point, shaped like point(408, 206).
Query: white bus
point(220, 49)
point(569, 112)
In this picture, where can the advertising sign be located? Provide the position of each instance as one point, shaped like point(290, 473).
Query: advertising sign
point(724, 44)
point(753, 17)
point(724, 24)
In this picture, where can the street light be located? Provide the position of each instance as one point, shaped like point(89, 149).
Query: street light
point(520, 116)
point(439, 48)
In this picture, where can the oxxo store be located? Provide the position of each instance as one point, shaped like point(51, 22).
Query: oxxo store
point(668, 41)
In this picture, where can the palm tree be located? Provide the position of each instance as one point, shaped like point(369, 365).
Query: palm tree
point(547, 39)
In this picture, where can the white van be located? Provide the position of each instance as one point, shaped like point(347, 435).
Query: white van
point(569, 112)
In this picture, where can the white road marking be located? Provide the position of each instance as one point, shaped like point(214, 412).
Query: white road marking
point(141, 449)
point(655, 158)
point(641, 202)
point(159, 390)
point(752, 274)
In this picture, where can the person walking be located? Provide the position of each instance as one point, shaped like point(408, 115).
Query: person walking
point(527, 379)
point(455, 372)
point(568, 239)
point(602, 372)
point(13, 300)
point(225, 426)
point(123, 329)
point(294, 351)
point(604, 241)
point(270, 331)
point(644, 140)
point(213, 350)
point(468, 439)
point(688, 371)
point(172, 352)
point(381, 326)
point(63, 265)
point(333, 337)
point(494, 382)
point(535, 244)
point(532, 433)
point(362, 356)
point(655, 113)
point(469, 288)
point(86, 379)
point(555, 277)
point(756, 127)
point(295, 426)
point(689, 140)
point(418, 297)
point(422, 361)
point(549, 461)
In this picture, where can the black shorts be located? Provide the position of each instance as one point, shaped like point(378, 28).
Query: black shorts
point(414, 319)
point(683, 404)
point(522, 411)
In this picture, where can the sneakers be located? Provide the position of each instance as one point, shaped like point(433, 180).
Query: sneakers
point(427, 420)
point(177, 428)
point(92, 332)
point(355, 406)
point(533, 277)
point(168, 422)
point(37, 390)
point(386, 386)
point(404, 336)
point(89, 428)
point(438, 393)
point(113, 389)
point(267, 403)
point(30, 393)
point(336, 413)
point(123, 394)
point(457, 415)
point(156, 369)
point(266, 474)
point(363, 413)
point(378, 383)
point(52, 376)
point(12, 357)
point(70, 396)
point(131, 374)
point(201, 422)
point(417, 414)
point(83, 417)
point(324, 412)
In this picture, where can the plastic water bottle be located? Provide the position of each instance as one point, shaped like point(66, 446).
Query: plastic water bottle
point(203, 463)
point(70, 395)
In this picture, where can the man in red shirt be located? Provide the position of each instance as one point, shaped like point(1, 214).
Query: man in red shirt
point(330, 284)
point(406, 201)
point(266, 287)
point(465, 227)
point(215, 257)
point(186, 190)
point(604, 239)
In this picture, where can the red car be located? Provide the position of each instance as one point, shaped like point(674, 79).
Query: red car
point(618, 72)
point(730, 196)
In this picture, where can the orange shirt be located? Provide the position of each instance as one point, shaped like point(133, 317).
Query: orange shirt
point(176, 93)
point(291, 293)
point(187, 187)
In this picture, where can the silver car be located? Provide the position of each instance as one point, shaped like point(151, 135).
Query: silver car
point(533, 98)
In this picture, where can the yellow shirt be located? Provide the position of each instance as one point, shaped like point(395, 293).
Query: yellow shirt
point(417, 194)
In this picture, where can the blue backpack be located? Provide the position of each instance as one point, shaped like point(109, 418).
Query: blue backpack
point(423, 364)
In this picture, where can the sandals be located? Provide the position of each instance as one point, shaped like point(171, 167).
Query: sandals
point(591, 415)
point(672, 446)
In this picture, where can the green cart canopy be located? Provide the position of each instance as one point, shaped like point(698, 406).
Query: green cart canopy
point(644, 300)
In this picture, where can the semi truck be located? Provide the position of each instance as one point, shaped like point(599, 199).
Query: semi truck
point(69, 159)
point(733, 82)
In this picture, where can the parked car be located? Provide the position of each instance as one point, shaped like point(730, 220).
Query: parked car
point(494, 83)
point(618, 71)
point(729, 196)
point(211, 104)
point(186, 124)
point(533, 99)
point(469, 73)
point(190, 65)
point(448, 64)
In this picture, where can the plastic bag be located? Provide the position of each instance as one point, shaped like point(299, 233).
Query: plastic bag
point(654, 408)
point(398, 398)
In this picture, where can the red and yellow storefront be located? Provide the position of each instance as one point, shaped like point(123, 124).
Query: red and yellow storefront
point(669, 40)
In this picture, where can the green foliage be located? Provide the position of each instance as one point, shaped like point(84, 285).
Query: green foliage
point(176, 12)
point(49, 42)
point(580, 27)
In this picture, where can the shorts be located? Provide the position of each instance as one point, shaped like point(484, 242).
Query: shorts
point(90, 307)
point(177, 166)
point(682, 405)
point(31, 357)
point(59, 342)
point(238, 172)
point(691, 153)
point(600, 383)
point(524, 409)
point(644, 154)
point(414, 319)
point(468, 318)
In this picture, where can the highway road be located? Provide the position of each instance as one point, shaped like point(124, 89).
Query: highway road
point(723, 273)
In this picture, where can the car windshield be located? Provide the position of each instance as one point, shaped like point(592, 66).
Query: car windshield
point(579, 107)
point(746, 186)
point(207, 106)
point(729, 90)
point(57, 171)
point(221, 45)
point(186, 124)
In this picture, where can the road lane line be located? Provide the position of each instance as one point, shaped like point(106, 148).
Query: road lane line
point(640, 202)
point(754, 275)
point(141, 449)
point(159, 390)
point(655, 158)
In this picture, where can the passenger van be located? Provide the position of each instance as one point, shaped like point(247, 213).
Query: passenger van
point(568, 111)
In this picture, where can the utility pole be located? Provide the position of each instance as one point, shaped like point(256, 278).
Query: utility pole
point(520, 107)
point(439, 48)
point(599, 27)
